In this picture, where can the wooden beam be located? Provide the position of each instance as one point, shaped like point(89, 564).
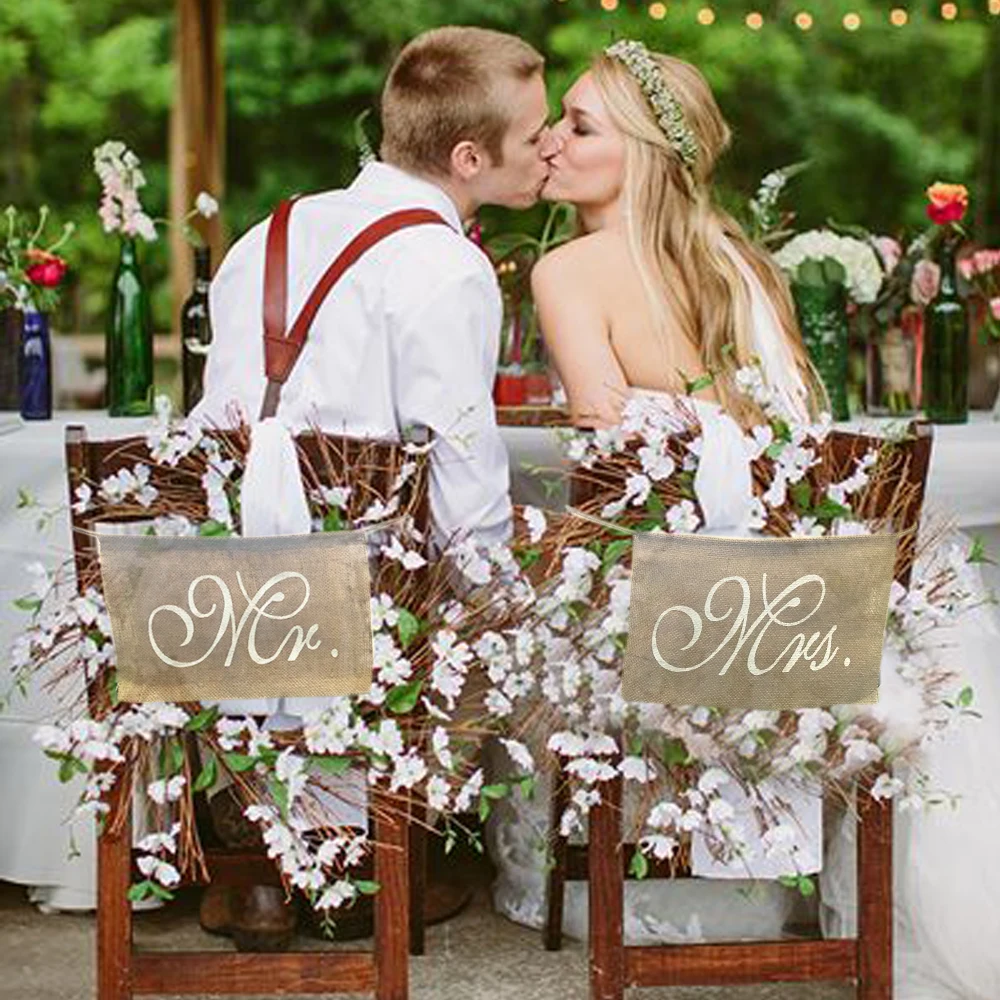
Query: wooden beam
point(197, 135)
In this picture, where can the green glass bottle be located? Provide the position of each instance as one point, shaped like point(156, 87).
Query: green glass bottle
point(129, 342)
point(945, 388)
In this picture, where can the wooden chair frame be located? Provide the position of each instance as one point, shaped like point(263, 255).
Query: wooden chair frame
point(399, 855)
point(865, 959)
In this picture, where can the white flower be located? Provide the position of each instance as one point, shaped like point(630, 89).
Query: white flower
point(885, 787)
point(864, 273)
point(437, 793)
point(519, 754)
point(440, 741)
point(535, 520)
point(206, 205)
point(339, 893)
point(162, 791)
point(659, 844)
point(683, 518)
point(636, 769)
point(469, 791)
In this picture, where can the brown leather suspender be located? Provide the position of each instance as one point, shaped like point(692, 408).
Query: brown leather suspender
point(281, 351)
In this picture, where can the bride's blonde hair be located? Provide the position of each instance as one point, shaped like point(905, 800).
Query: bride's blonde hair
point(676, 234)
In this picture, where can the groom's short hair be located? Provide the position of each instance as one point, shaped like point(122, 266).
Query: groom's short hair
point(447, 86)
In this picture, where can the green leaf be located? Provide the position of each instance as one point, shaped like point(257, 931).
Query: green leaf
point(801, 494)
point(499, 790)
point(674, 751)
point(408, 628)
point(527, 557)
point(403, 697)
point(789, 881)
point(829, 509)
point(333, 521)
point(212, 528)
point(24, 498)
point(701, 382)
point(202, 720)
point(965, 697)
point(112, 686)
point(31, 604)
point(806, 886)
point(484, 808)
point(774, 449)
point(527, 786)
point(366, 886)
point(279, 791)
point(977, 554)
point(332, 765)
point(69, 767)
point(613, 553)
point(639, 865)
point(160, 892)
point(654, 504)
point(239, 761)
point(207, 777)
point(139, 891)
point(176, 759)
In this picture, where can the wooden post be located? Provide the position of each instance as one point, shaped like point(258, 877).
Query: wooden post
point(197, 135)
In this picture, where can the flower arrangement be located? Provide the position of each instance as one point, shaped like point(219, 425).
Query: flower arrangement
point(121, 211)
point(413, 733)
point(680, 764)
point(822, 257)
point(31, 273)
point(768, 224)
point(982, 271)
point(540, 626)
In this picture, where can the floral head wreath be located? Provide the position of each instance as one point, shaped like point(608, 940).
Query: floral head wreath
point(637, 60)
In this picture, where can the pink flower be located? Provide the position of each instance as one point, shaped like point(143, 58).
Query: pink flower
point(925, 283)
point(995, 307)
point(890, 251)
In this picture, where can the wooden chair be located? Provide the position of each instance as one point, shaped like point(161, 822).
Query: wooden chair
point(866, 959)
point(400, 849)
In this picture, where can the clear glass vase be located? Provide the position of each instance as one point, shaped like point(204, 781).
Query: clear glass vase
point(891, 372)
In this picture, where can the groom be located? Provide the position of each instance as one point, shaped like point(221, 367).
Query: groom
point(410, 334)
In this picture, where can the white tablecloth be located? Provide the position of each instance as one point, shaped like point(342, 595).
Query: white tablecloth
point(34, 842)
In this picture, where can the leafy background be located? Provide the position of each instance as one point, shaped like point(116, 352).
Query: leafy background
point(879, 112)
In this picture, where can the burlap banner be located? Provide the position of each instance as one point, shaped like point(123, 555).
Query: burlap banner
point(196, 618)
point(770, 623)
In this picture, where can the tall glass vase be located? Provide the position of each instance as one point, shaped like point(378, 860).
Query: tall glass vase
point(129, 343)
point(945, 395)
point(822, 312)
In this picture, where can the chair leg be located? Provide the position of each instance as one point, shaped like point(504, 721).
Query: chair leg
point(555, 881)
point(392, 901)
point(114, 910)
point(875, 897)
point(418, 876)
point(607, 896)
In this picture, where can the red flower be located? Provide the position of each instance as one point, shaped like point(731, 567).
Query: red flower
point(46, 270)
point(946, 203)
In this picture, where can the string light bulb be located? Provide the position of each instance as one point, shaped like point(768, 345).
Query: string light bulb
point(949, 11)
point(898, 16)
point(706, 16)
point(995, 7)
point(657, 11)
point(755, 20)
point(609, 5)
point(804, 20)
point(852, 21)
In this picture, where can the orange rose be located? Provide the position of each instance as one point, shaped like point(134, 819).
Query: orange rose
point(946, 202)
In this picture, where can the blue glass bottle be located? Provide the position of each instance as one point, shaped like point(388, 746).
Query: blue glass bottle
point(36, 367)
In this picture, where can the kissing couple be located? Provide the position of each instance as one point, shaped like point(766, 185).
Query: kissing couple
point(658, 286)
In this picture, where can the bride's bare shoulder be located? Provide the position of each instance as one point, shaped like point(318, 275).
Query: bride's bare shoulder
point(578, 262)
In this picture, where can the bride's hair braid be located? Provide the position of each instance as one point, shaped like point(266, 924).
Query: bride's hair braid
point(676, 233)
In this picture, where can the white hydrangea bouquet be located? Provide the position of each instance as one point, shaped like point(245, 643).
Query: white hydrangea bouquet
point(415, 734)
point(821, 257)
point(678, 763)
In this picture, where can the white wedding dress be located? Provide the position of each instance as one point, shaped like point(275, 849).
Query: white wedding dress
point(946, 862)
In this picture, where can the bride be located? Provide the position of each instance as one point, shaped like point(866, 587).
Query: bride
point(659, 288)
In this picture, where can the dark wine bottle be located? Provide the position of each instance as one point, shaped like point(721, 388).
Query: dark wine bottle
point(946, 346)
point(196, 330)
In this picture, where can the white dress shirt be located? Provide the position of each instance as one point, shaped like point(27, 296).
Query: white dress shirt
point(409, 336)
